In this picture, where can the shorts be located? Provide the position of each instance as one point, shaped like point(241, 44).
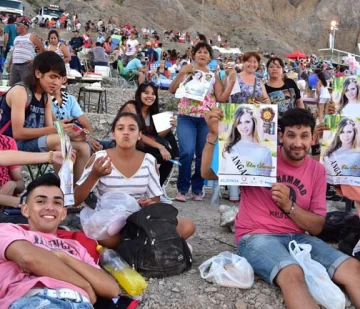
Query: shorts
point(324, 101)
point(33, 145)
point(268, 254)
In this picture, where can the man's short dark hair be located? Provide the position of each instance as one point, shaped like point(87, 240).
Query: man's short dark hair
point(297, 117)
point(203, 45)
point(45, 62)
point(46, 180)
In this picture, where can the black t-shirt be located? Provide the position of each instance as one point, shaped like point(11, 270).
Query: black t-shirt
point(285, 97)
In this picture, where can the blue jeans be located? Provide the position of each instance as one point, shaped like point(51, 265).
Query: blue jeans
point(191, 132)
point(268, 254)
point(42, 301)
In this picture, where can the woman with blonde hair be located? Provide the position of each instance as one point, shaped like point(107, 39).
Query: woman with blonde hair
point(350, 98)
point(342, 150)
point(243, 145)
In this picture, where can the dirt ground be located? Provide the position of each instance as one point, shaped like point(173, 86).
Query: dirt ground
point(189, 290)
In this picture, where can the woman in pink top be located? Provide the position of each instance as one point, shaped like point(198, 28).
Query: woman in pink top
point(192, 129)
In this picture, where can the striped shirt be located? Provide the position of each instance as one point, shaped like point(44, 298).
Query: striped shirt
point(145, 183)
point(24, 49)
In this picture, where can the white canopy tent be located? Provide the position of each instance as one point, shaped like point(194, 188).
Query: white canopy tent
point(227, 50)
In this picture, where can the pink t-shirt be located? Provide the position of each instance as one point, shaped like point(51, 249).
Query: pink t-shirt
point(14, 283)
point(259, 214)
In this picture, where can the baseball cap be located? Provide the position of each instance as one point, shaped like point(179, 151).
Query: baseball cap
point(76, 31)
point(23, 22)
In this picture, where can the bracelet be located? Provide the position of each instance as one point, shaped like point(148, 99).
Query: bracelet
point(51, 154)
point(291, 209)
point(211, 143)
point(163, 147)
point(315, 150)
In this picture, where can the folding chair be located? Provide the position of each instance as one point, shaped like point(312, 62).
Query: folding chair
point(126, 81)
point(40, 170)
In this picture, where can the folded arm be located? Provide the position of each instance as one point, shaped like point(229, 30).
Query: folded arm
point(43, 263)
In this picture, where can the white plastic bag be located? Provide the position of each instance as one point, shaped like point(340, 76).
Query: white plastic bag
point(322, 289)
point(109, 217)
point(228, 269)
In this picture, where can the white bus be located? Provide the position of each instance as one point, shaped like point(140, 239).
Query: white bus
point(48, 12)
point(12, 7)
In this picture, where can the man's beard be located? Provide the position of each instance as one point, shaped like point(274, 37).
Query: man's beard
point(289, 153)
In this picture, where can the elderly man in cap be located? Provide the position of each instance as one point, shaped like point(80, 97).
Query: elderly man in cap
point(25, 46)
point(76, 42)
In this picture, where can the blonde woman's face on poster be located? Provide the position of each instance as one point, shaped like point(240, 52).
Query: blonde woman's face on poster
point(246, 125)
point(352, 92)
point(347, 135)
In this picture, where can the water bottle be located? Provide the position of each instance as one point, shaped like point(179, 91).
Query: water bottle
point(129, 279)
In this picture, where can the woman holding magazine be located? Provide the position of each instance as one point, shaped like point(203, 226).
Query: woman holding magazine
point(192, 129)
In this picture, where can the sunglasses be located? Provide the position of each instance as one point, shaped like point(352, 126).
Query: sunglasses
point(147, 83)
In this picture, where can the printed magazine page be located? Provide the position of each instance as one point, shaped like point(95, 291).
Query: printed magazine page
point(346, 95)
point(340, 150)
point(66, 173)
point(248, 145)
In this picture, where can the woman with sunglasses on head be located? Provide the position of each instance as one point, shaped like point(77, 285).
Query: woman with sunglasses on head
point(282, 91)
point(125, 169)
point(192, 129)
point(162, 145)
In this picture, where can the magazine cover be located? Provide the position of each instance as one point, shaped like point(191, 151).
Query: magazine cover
point(340, 150)
point(66, 173)
point(195, 86)
point(346, 95)
point(248, 145)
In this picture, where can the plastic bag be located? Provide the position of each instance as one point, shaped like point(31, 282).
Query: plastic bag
point(322, 289)
point(228, 269)
point(109, 217)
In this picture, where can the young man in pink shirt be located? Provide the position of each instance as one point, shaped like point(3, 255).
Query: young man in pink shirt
point(37, 268)
point(269, 218)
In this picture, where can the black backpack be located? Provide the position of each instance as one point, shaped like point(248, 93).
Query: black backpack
point(334, 223)
point(151, 244)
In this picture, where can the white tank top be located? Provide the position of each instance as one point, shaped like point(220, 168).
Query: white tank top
point(57, 50)
point(24, 49)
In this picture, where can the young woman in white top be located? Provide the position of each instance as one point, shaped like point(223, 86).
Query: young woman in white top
point(243, 145)
point(324, 96)
point(124, 168)
point(342, 151)
point(350, 98)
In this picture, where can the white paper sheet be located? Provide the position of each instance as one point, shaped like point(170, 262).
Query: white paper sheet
point(162, 121)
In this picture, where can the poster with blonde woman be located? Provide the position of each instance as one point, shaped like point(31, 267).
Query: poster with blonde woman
point(346, 95)
point(340, 150)
point(248, 144)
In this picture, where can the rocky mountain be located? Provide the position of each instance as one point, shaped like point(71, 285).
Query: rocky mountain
point(277, 26)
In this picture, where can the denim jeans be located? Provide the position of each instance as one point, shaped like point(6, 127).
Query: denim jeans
point(191, 132)
point(268, 254)
point(42, 301)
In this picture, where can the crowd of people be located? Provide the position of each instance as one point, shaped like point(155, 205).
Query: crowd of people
point(41, 266)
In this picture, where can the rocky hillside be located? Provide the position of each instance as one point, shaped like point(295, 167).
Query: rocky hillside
point(273, 25)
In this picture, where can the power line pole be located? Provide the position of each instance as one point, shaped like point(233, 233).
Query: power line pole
point(202, 16)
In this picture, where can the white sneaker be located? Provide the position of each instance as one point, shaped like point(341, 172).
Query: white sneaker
point(165, 200)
